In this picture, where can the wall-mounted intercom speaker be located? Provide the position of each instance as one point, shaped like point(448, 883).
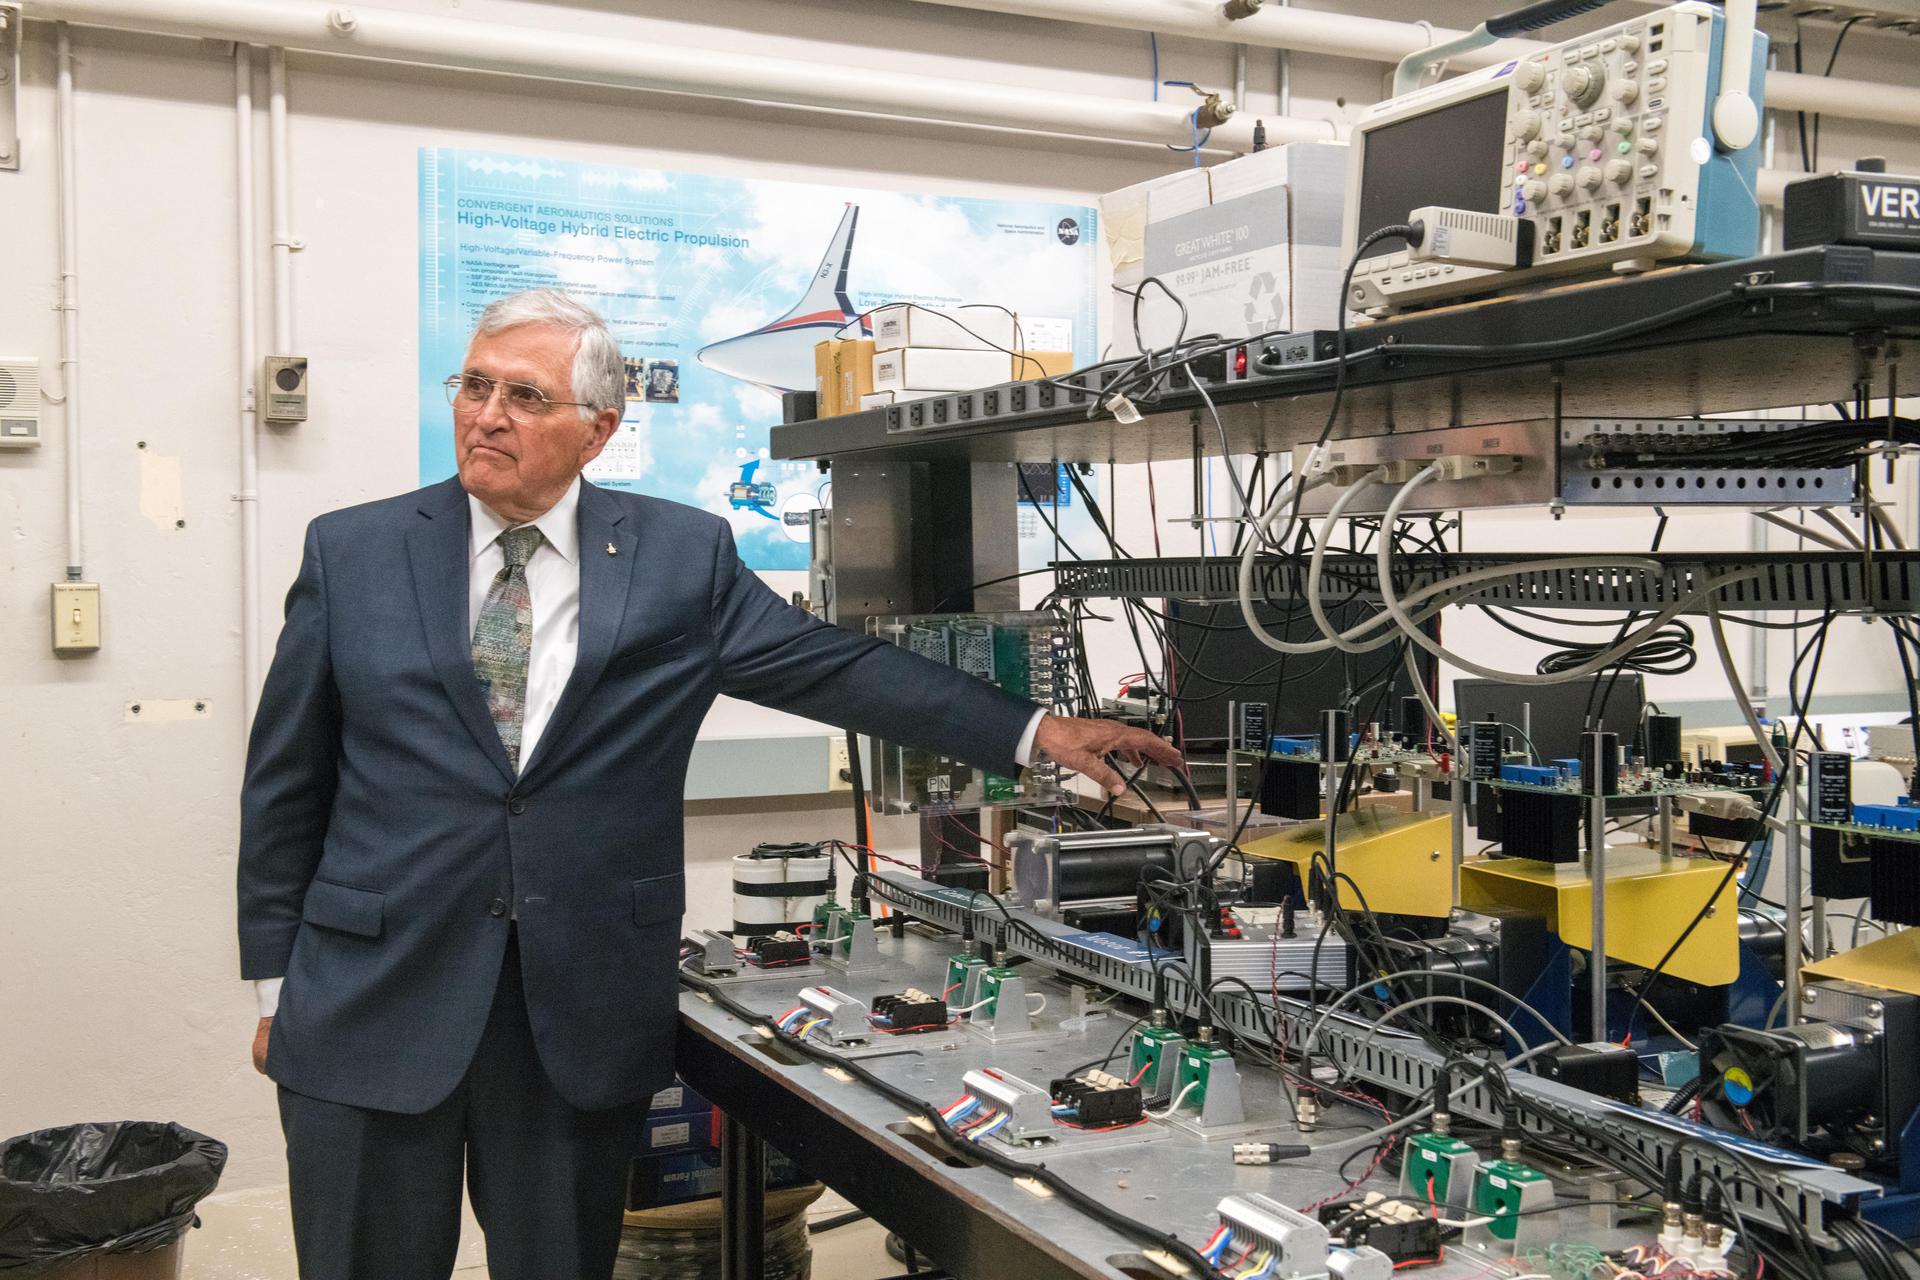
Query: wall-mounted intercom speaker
point(19, 403)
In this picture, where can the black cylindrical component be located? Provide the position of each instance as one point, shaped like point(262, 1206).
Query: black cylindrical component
point(1599, 763)
point(1663, 739)
point(1105, 871)
point(1413, 720)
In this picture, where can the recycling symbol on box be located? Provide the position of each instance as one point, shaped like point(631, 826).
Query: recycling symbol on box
point(1264, 307)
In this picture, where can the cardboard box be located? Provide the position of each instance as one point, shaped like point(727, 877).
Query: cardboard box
point(933, 369)
point(653, 1181)
point(963, 328)
point(1043, 364)
point(842, 373)
point(1257, 252)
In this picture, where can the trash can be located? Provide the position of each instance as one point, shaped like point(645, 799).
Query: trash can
point(88, 1201)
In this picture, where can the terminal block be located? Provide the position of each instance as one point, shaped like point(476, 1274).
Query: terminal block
point(778, 950)
point(1295, 1244)
point(911, 1010)
point(711, 952)
point(1028, 1108)
point(1098, 1100)
point(1407, 1233)
point(845, 1018)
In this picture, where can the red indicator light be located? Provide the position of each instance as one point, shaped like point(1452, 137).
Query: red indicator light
point(1240, 363)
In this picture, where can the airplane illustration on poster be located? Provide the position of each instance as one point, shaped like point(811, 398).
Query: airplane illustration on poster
point(779, 354)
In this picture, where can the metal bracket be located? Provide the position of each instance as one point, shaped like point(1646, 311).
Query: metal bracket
point(10, 23)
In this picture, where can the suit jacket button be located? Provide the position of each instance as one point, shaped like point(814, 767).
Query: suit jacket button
point(498, 909)
point(516, 806)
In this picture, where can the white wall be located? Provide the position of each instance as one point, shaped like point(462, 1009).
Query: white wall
point(117, 994)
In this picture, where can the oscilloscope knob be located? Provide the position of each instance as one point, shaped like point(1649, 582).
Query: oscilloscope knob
point(1533, 190)
point(1532, 77)
point(1526, 125)
point(1619, 171)
point(1626, 91)
point(1583, 84)
point(1560, 184)
point(1590, 177)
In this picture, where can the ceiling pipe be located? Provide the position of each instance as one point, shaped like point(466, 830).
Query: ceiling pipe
point(1342, 35)
point(367, 31)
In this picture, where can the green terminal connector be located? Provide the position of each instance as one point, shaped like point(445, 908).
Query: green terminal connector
point(989, 991)
point(1196, 1063)
point(1148, 1047)
point(843, 937)
point(1503, 1189)
point(1427, 1170)
point(822, 912)
point(999, 787)
point(959, 969)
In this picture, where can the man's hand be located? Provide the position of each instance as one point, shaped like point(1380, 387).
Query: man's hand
point(260, 1045)
point(1083, 745)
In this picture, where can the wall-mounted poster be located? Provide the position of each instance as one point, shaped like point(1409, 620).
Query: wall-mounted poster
point(718, 290)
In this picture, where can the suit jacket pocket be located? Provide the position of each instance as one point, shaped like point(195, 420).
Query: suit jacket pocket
point(650, 656)
point(343, 907)
point(659, 899)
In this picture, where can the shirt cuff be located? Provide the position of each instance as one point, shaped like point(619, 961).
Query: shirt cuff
point(1023, 753)
point(266, 993)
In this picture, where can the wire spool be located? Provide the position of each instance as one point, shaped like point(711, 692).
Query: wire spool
point(777, 887)
point(682, 1242)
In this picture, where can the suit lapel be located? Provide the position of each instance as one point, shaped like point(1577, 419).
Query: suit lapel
point(438, 549)
point(607, 562)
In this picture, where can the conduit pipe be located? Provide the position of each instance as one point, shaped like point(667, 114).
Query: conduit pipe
point(1342, 35)
point(67, 193)
point(248, 497)
point(278, 166)
point(366, 31)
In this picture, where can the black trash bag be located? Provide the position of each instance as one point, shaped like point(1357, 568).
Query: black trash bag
point(101, 1188)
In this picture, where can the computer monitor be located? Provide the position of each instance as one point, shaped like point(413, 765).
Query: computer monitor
point(1558, 712)
point(1214, 647)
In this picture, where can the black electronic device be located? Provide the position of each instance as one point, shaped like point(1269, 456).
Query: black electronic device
point(1610, 1070)
point(1558, 713)
point(1831, 775)
point(1661, 739)
point(1841, 1081)
point(1872, 208)
point(1290, 789)
point(1252, 732)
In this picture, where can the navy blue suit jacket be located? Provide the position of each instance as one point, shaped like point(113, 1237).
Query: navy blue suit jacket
point(382, 830)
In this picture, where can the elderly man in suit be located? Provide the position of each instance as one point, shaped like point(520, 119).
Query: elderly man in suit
point(460, 875)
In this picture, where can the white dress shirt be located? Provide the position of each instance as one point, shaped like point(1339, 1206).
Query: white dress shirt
point(553, 580)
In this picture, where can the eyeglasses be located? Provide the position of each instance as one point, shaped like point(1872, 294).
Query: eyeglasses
point(523, 402)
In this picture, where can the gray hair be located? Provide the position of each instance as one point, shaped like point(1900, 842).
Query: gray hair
point(599, 374)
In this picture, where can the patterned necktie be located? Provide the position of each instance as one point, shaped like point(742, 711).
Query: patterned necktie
point(503, 638)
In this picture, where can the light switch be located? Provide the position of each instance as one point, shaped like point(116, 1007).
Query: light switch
point(76, 617)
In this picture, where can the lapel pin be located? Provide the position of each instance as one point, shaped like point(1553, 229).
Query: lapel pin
point(612, 550)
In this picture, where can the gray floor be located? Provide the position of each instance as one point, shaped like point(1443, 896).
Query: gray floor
point(245, 1235)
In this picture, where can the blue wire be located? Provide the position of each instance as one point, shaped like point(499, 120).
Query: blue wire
point(1153, 48)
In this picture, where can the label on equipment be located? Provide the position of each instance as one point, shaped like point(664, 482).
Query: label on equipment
point(1831, 784)
point(672, 1135)
point(1483, 742)
point(1253, 726)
